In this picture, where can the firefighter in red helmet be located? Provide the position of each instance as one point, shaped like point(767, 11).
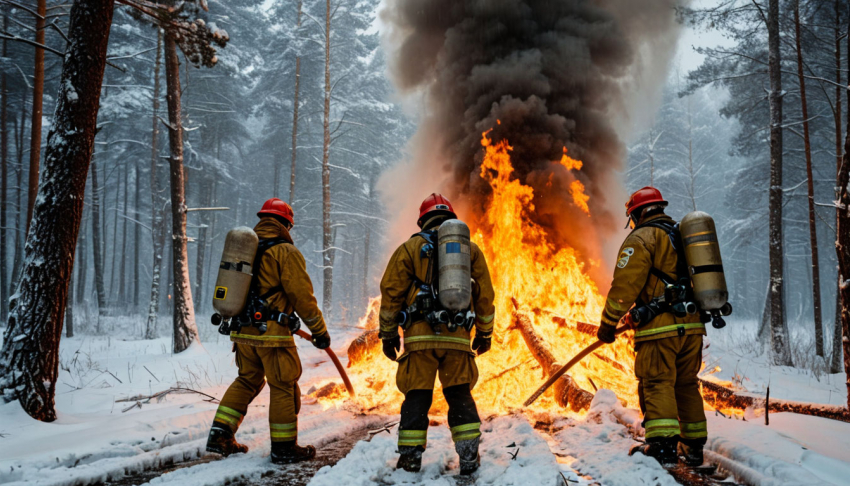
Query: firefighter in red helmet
point(428, 353)
point(668, 347)
point(271, 356)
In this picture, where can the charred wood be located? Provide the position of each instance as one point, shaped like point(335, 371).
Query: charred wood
point(365, 345)
point(567, 392)
point(721, 397)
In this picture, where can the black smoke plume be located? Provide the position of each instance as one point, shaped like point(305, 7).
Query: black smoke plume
point(555, 73)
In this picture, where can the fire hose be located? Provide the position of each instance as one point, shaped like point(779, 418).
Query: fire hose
point(580, 356)
point(336, 362)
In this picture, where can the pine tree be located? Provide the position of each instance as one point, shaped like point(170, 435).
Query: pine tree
point(29, 356)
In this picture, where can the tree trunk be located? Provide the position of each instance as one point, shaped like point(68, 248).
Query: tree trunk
point(69, 306)
point(185, 330)
point(835, 364)
point(842, 243)
point(651, 159)
point(295, 115)
point(842, 249)
point(114, 206)
point(4, 174)
point(97, 244)
point(37, 106)
point(366, 249)
point(813, 234)
point(83, 268)
point(137, 235)
point(19, 213)
point(203, 231)
point(692, 177)
point(157, 229)
point(779, 338)
point(122, 276)
point(327, 256)
point(30, 354)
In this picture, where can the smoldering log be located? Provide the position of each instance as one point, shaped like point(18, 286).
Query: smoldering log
point(721, 397)
point(567, 392)
point(579, 326)
point(365, 345)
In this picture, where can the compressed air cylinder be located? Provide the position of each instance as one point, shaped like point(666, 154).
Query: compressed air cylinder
point(702, 252)
point(455, 265)
point(235, 272)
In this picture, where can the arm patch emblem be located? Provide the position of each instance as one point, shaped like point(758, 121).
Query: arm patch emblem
point(624, 257)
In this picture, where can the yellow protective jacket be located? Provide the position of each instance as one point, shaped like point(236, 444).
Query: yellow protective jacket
point(282, 266)
point(398, 292)
point(644, 248)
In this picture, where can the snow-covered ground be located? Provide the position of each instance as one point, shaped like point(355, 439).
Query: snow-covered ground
point(100, 438)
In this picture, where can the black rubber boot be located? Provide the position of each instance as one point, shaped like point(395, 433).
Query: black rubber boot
point(410, 458)
point(467, 450)
point(662, 449)
point(289, 452)
point(690, 451)
point(221, 441)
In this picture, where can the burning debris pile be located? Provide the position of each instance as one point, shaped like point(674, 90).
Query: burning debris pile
point(545, 296)
point(545, 83)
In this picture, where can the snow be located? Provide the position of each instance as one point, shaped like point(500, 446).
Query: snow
point(93, 440)
point(97, 439)
point(371, 462)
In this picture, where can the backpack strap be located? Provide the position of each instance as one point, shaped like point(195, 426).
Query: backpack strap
point(264, 246)
point(672, 231)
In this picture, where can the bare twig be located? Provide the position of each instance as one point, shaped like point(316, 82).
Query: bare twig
point(160, 395)
point(386, 428)
point(514, 454)
point(149, 371)
point(113, 375)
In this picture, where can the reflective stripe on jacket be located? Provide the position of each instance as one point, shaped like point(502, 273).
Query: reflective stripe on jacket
point(282, 266)
point(644, 248)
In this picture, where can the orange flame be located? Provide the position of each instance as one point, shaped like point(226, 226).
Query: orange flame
point(549, 283)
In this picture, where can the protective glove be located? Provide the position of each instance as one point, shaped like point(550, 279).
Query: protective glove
point(321, 341)
point(606, 333)
point(390, 346)
point(481, 344)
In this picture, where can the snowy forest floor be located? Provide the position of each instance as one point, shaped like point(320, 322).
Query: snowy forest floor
point(97, 440)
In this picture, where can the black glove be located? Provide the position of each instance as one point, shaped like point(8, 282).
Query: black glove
point(321, 341)
point(481, 344)
point(390, 346)
point(606, 333)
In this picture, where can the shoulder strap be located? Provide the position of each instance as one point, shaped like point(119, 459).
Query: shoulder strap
point(430, 236)
point(264, 246)
point(672, 230)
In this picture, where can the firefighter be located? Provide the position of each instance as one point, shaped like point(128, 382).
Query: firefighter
point(428, 354)
point(668, 348)
point(271, 356)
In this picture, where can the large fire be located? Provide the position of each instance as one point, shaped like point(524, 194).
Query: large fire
point(547, 285)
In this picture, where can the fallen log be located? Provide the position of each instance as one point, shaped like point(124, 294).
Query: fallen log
point(567, 392)
point(363, 346)
point(721, 397)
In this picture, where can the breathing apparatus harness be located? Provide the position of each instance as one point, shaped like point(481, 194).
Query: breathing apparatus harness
point(257, 312)
point(426, 305)
point(678, 296)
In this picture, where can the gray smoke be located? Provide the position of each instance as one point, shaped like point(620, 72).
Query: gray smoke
point(555, 73)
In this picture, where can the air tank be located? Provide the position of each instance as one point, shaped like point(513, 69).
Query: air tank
point(235, 272)
point(454, 265)
point(705, 267)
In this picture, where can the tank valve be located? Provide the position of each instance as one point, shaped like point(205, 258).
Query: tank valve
point(216, 319)
point(717, 322)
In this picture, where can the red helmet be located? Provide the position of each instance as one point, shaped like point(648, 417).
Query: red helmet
point(642, 197)
point(433, 204)
point(276, 207)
